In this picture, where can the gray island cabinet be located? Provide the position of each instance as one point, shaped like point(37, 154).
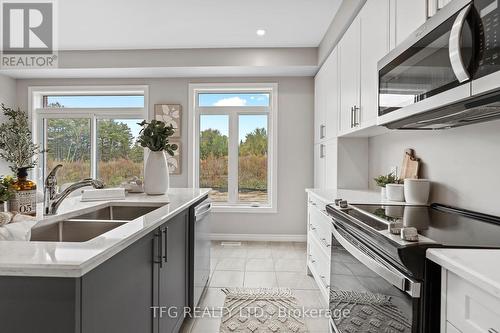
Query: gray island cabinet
point(117, 296)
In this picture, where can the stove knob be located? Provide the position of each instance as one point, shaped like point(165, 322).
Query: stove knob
point(395, 228)
point(343, 204)
point(337, 201)
point(409, 234)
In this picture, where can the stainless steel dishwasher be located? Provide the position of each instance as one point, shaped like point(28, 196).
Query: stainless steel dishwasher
point(202, 244)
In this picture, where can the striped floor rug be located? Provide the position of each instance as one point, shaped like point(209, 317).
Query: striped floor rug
point(262, 310)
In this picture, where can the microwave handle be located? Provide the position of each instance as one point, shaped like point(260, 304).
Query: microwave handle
point(457, 62)
point(391, 275)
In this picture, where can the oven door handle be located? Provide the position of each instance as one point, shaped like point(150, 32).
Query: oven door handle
point(456, 60)
point(391, 275)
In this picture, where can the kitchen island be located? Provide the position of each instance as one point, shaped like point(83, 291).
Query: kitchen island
point(110, 283)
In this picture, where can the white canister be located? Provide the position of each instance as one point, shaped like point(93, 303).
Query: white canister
point(417, 191)
point(395, 192)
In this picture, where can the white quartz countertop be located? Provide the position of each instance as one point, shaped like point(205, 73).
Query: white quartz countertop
point(478, 266)
point(352, 196)
point(72, 259)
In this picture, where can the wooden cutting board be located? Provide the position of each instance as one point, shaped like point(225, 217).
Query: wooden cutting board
point(411, 165)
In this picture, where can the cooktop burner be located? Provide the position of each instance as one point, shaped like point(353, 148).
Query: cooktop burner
point(437, 223)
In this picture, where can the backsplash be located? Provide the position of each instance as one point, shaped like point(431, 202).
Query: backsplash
point(462, 163)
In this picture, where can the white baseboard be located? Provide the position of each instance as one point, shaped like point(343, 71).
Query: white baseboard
point(259, 237)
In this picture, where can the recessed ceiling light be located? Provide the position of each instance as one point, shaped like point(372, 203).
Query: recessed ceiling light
point(260, 32)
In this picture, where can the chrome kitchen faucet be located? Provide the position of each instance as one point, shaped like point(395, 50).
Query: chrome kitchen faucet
point(52, 199)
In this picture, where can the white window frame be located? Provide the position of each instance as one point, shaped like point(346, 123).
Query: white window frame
point(39, 114)
point(233, 112)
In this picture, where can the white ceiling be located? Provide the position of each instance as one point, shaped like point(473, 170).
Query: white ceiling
point(155, 24)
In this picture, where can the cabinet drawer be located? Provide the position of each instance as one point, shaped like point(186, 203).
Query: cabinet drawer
point(320, 263)
point(320, 227)
point(469, 308)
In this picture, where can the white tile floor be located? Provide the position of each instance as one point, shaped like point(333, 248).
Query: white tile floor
point(254, 265)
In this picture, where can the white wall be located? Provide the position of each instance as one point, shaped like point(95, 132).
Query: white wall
point(8, 97)
point(295, 140)
point(463, 163)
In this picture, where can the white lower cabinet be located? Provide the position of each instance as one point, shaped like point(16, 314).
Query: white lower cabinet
point(318, 244)
point(467, 308)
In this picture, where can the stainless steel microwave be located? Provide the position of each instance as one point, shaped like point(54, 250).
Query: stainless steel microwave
point(447, 73)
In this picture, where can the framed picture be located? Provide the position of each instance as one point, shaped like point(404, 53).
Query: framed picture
point(170, 114)
point(174, 162)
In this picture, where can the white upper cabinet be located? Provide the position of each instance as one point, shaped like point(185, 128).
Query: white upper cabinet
point(319, 106)
point(330, 168)
point(319, 165)
point(326, 98)
point(325, 164)
point(408, 16)
point(374, 20)
point(332, 98)
point(362, 46)
point(349, 68)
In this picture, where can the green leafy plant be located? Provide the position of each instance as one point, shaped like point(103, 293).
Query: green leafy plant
point(16, 146)
point(154, 136)
point(383, 180)
point(6, 190)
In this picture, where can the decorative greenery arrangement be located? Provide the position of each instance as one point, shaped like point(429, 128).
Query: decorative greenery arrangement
point(16, 146)
point(154, 136)
point(383, 180)
point(6, 190)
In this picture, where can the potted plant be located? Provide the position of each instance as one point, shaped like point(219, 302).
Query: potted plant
point(16, 145)
point(383, 180)
point(6, 192)
point(18, 149)
point(155, 136)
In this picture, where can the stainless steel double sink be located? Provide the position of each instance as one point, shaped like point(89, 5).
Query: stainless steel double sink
point(84, 227)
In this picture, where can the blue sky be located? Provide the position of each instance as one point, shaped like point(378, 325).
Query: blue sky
point(248, 123)
point(253, 99)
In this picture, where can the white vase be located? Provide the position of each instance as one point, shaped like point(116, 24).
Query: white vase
point(156, 176)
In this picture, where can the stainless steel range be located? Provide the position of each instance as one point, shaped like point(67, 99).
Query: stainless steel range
point(379, 271)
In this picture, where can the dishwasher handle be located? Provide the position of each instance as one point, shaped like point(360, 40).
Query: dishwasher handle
point(202, 210)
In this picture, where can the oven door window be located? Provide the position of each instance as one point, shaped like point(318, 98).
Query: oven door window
point(373, 304)
point(424, 69)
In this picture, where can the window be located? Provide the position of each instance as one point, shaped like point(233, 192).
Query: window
point(233, 129)
point(91, 133)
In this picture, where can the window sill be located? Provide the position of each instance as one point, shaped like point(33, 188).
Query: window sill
point(221, 208)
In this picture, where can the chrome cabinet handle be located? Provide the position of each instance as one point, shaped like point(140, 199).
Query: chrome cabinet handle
point(356, 110)
point(457, 62)
point(321, 151)
point(311, 226)
point(322, 129)
point(311, 259)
